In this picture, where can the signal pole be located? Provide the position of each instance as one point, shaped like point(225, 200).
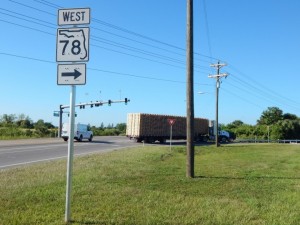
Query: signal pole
point(190, 93)
point(218, 76)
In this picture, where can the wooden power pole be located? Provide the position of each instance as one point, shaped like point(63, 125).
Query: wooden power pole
point(218, 76)
point(190, 93)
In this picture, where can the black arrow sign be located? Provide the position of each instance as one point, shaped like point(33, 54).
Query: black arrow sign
point(74, 74)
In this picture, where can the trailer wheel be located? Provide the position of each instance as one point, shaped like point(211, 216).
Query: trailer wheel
point(162, 141)
point(138, 140)
point(205, 139)
point(149, 140)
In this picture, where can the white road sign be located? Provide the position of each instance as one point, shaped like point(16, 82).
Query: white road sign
point(73, 16)
point(72, 44)
point(71, 74)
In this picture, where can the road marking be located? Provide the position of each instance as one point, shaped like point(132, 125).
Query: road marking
point(24, 163)
point(61, 157)
point(23, 149)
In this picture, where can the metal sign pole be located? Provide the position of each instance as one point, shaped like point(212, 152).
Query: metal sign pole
point(171, 128)
point(70, 154)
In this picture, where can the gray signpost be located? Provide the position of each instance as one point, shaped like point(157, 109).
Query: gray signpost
point(171, 123)
point(72, 45)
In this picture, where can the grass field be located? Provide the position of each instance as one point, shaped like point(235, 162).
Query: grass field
point(234, 184)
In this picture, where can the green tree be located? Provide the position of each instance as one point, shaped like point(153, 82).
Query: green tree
point(270, 116)
point(41, 128)
point(287, 129)
point(289, 116)
point(235, 124)
point(8, 119)
point(24, 121)
point(121, 127)
point(102, 126)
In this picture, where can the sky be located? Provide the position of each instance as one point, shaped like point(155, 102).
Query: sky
point(138, 51)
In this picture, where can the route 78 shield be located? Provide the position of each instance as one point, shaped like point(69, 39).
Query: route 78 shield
point(72, 44)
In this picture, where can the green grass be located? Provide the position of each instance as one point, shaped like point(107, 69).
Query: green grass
point(234, 184)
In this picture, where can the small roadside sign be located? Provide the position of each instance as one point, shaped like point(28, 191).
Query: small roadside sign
point(71, 74)
point(72, 44)
point(171, 121)
point(75, 16)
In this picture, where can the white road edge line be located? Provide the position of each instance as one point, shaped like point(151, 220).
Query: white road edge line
point(24, 163)
point(61, 157)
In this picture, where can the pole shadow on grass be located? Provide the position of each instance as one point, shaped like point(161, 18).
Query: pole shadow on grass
point(248, 178)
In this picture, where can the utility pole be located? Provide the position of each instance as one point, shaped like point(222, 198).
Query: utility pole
point(190, 93)
point(218, 76)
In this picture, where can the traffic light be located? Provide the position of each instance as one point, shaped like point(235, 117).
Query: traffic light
point(126, 100)
point(92, 105)
point(109, 102)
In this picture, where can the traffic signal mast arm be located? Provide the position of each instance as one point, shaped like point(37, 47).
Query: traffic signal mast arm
point(97, 103)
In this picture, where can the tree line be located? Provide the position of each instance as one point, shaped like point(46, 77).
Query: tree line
point(21, 126)
point(273, 124)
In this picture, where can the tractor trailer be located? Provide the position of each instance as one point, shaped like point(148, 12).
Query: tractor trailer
point(149, 128)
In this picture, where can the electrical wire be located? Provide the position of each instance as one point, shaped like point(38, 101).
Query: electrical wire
point(98, 39)
point(251, 86)
point(102, 70)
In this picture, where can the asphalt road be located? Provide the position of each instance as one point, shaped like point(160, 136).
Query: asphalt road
point(21, 152)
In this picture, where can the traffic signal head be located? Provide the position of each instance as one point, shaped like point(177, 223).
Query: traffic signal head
point(126, 100)
point(109, 102)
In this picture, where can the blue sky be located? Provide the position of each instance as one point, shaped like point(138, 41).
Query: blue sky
point(137, 50)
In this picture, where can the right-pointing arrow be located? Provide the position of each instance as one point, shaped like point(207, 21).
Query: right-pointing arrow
point(74, 74)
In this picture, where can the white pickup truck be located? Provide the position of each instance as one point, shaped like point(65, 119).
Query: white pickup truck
point(81, 131)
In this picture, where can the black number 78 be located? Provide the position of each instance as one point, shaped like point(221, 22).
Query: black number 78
point(75, 46)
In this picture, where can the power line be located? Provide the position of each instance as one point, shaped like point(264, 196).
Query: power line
point(127, 31)
point(98, 39)
point(102, 70)
point(22, 18)
point(23, 26)
point(256, 88)
point(27, 6)
point(207, 28)
point(262, 87)
point(265, 93)
point(48, 4)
